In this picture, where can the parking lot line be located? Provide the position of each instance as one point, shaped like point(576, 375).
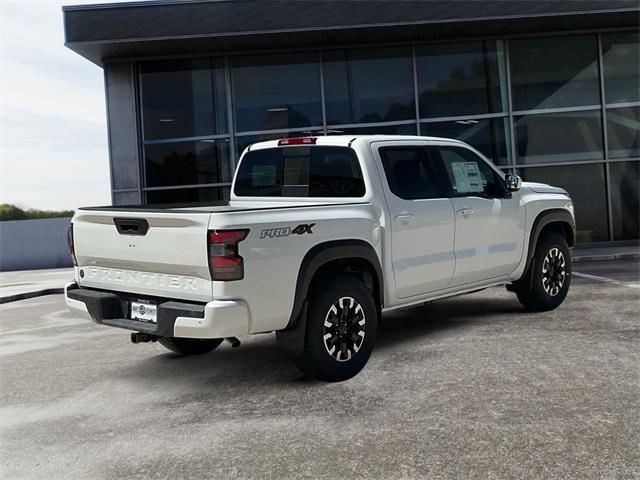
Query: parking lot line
point(606, 280)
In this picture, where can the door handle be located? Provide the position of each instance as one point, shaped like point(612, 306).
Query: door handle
point(404, 216)
point(465, 212)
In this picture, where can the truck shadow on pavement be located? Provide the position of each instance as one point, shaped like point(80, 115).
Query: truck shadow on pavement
point(260, 361)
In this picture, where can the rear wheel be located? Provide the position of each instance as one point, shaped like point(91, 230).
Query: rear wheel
point(340, 331)
point(546, 284)
point(189, 346)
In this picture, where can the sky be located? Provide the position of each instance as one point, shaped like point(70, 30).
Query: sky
point(53, 133)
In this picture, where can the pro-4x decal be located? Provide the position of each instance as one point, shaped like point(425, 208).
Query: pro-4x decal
point(286, 231)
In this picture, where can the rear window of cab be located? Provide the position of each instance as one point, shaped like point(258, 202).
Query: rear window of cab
point(300, 171)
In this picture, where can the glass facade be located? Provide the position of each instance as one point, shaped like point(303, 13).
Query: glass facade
point(490, 135)
point(473, 73)
point(368, 85)
point(554, 72)
point(561, 109)
point(276, 91)
point(558, 137)
point(586, 186)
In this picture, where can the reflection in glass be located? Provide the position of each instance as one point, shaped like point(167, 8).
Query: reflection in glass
point(554, 72)
point(559, 137)
point(621, 62)
point(187, 163)
point(185, 196)
point(457, 79)
point(404, 129)
point(624, 187)
point(586, 186)
point(366, 85)
point(489, 136)
point(183, 98)
point(276, 91)
point(623, 132)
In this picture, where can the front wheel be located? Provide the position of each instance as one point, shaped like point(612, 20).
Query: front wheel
point(189, 346)
point(546, 284)
point(340, 331)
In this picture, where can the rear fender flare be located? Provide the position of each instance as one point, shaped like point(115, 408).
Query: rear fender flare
point(292, 336)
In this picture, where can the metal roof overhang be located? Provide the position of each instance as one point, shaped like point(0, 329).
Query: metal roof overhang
point(160, 29)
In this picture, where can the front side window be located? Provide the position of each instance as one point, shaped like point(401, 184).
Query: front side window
point(409, 172)
point(468, 174)
point(300, 172)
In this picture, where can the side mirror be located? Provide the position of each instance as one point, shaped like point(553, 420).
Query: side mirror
point(513, 182)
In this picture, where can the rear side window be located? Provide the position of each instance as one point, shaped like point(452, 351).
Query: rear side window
point(308, 171)
point(409, 172)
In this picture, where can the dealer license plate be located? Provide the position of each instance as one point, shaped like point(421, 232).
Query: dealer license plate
point(144, 311)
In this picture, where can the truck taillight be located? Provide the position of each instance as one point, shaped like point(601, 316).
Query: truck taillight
point(225, 263)
point(72, 250)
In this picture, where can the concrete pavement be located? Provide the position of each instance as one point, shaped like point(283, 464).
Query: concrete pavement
point(470, 387)
point(23, 284)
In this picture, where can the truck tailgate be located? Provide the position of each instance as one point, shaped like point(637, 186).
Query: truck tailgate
point(153, 252)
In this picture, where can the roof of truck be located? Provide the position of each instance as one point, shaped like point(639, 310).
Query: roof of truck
point(345, 140)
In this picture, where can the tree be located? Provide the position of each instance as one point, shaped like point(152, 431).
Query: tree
point(11, 212)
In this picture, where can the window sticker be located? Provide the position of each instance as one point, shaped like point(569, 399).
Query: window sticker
point(468, 177)
point(263, 176)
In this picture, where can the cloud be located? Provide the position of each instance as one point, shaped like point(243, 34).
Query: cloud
point(53, 134)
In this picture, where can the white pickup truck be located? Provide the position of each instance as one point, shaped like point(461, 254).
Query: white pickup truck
point(320, 237)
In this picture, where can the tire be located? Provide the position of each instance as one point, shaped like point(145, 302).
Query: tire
point(189, 346)
point(546, 284)
point(344, 308)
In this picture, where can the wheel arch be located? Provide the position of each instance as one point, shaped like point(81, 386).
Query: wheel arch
point(351, 256)
point(558, 220)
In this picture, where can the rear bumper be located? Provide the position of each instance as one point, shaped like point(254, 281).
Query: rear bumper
point(216, 319)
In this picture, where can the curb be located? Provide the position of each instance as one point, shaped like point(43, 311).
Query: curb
point(605, 258)
point(32, 294)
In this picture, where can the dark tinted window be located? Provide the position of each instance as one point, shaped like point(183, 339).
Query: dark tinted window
point(469, 175)
point(183, 98)
point(409, 172)
point(554, 72)
point(586, 186)
point(624, 185)
point(490, 136)
point(367, 85)
point(623, 132)
point(300, 172)
point(457, 79)
point(183, 196)
point(621, 61)
point(559, 137)
point(274, 92)
point(402, 129)
point(187, 163)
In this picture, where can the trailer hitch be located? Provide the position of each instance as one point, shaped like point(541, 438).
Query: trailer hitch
point(141, 337)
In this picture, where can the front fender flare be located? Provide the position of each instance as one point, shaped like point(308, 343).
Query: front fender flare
point(546, 217)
